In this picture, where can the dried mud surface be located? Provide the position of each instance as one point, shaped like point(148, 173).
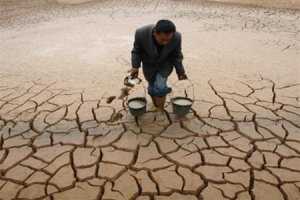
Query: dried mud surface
point(64, 136)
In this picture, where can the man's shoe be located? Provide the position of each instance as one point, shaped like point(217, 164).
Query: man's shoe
point(153, 108)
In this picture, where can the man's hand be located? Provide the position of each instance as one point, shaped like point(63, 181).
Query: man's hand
point(182, 77)
point(134, 72)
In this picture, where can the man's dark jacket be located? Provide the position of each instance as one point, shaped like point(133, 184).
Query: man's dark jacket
point(144, 51)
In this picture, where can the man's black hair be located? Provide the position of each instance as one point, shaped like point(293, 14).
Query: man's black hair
point(165, 26)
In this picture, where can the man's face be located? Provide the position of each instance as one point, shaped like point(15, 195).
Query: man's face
point(163, 38)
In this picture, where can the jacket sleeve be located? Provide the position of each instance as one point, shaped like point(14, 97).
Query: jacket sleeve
point(136, 52)
point(177, 59)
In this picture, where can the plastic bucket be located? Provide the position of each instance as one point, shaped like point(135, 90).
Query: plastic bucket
point(137, 106)
point(181, 105)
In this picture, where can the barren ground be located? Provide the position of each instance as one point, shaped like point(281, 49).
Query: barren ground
point(61, 140)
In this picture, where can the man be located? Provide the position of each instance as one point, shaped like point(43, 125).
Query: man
point(158, 48)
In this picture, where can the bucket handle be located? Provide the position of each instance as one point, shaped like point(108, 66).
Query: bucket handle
point(191, 85)
point(144, 88)
point(145, 94)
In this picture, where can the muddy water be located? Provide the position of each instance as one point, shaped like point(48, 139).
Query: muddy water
point(183, 102)
point(136, 104)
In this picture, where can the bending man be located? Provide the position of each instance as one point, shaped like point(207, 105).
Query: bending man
point(158, 48)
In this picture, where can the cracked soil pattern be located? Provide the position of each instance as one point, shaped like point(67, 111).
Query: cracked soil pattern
point(63, 136)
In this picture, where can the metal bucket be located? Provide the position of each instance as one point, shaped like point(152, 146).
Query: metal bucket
point(183, 109)
point(137, 111)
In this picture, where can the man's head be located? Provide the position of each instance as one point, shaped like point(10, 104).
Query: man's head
point(164, 31)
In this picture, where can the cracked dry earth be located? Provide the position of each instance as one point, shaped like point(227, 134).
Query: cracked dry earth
point(61, 138)
point(234, 145)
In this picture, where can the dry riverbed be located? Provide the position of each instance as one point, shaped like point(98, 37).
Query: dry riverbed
point(64, 135)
